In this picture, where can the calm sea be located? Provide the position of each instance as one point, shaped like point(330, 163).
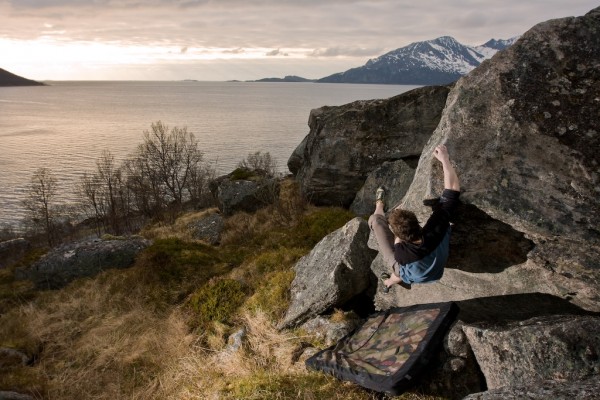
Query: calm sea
point(66, 126)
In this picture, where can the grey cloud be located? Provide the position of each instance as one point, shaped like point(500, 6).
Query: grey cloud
point(346, 51)
point(56, 3)
point(350, 28)
point(239, 50)
point(274, 53)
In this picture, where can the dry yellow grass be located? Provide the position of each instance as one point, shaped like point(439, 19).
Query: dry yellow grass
point(125, 334)
point(179, 229)
point(100, 346)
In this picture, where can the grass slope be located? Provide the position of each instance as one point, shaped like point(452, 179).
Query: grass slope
point(159, 329)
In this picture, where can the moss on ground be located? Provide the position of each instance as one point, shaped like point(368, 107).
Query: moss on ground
point(217, 302)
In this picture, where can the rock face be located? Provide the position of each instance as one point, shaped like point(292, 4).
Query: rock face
point(248, 194)
point(580, 390)
point(82, 259)
point(335, 271)
point(395, 176)
point(347, 143)
point(523, 130)
point(563, 348)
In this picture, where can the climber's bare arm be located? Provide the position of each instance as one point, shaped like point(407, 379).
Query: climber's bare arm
point(450, 178)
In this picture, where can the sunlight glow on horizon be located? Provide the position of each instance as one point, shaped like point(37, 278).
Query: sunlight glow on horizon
point(53, 58)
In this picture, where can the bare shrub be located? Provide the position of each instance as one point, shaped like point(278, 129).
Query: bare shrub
point(166, 170)
point(40, 204)
point(260, 162)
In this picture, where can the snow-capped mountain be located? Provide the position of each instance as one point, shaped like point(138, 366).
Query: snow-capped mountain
point(432, 62)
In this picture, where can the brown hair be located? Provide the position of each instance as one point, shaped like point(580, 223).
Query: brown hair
point(405, 225)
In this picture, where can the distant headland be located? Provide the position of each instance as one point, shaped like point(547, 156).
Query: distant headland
point(288, 78)
point(10, 79)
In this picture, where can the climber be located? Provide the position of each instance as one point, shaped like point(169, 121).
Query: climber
point(415, 254)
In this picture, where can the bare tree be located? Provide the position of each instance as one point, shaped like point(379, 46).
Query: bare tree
point(40, 203)
point(109, 175)
point(169, 160)
point(90, 194)
point(197, 185)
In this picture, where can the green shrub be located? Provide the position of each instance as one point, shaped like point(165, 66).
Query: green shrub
point(217, 302)
point(273, 295)
point(174, 258)
point(279, 259)
point(173, 268)
point(318, 224)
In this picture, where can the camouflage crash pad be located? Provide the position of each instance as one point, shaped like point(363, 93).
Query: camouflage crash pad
point(390, 349)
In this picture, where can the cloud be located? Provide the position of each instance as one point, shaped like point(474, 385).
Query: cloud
point(239, 50)
point(339, 51)
point(324, 32)
point(274, 53)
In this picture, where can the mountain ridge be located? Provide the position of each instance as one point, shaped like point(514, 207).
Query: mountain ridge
point(432, 62)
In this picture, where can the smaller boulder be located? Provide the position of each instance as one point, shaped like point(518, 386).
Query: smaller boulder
point(82, 259)
point(208, 228)
point(244, 190)
point(454, 372)
point(11, 358)
point(9, 395)
point(329, 330)
point(336, 270)
point(556, 390)
point(562, 348)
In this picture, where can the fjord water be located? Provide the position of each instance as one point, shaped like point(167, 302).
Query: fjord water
point(65, 126)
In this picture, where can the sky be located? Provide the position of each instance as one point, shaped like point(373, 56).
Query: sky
point(219, 40)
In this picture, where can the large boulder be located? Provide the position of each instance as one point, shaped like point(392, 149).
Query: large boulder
point(348, 142)
point(335, 271)
point(562, 348)
point(395, 176)
point(523, 130)
point(82, 259)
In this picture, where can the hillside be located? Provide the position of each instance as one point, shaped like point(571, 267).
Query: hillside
point(287, 78)
point(10, 79)
point(432, 62)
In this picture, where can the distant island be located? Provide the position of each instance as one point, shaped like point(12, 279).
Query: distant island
point(288, 78)
point(10, 79)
